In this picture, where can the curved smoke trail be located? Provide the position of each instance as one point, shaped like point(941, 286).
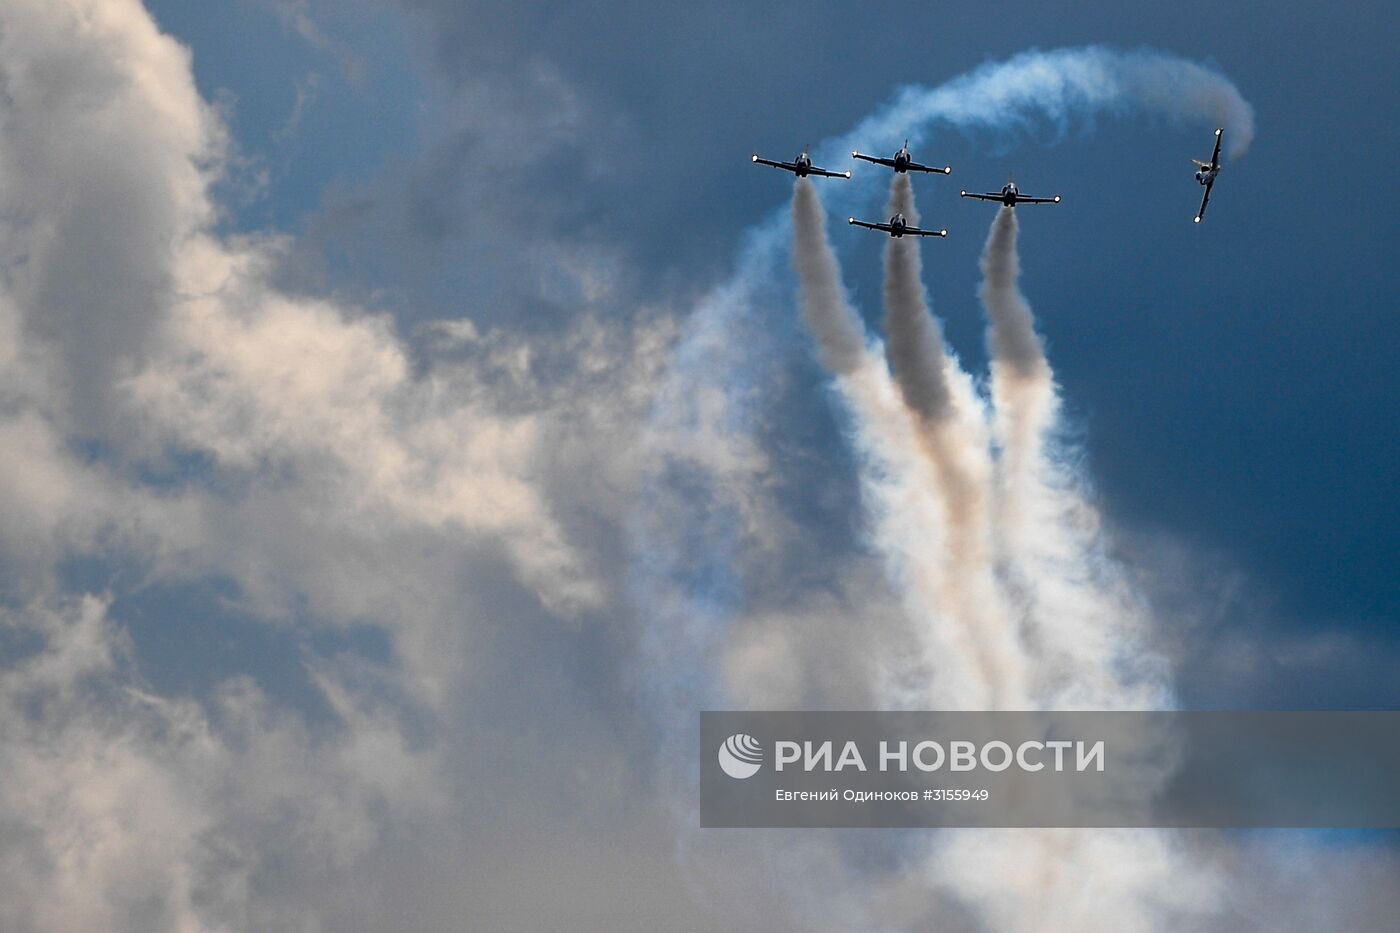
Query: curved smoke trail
point(1061, 84)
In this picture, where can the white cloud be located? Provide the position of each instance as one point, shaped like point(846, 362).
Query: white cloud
point(341, 478)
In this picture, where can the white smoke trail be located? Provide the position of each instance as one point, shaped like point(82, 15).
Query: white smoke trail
point(839, 331)
point(939, 396)
point(1023, 390)
point(1083, 618)
point(899, 489)
point(915, 350)
point(1065, 83)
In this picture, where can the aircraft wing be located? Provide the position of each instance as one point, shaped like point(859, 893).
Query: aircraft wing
point(824, 173)
point(1021, 200)
point(888, 163)
point(885, 228)
point(981, 197)
point(915, 231)
point(916, 167)
point(1205, 199)
point(1215, 156)
point(786, 166)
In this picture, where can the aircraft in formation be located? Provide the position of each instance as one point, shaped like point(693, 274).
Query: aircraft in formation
point(903, 162)
point(1206, 172)
point(896, 227)
point(801, 166)
point(1009, 196)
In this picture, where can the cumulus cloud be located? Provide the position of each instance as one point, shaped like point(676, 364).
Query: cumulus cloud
point(172, 419)
point(127, 809)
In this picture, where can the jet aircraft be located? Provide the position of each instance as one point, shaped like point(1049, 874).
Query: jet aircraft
point(1206, 172)
point(897, 227)
point(801, 167)
point(903, 162)
point(1011, 196)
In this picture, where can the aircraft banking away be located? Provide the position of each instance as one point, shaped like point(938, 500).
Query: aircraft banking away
point(1011, 196)
point(897, 227)
point(801, 167)
point(1206, 172)
point(903, 162)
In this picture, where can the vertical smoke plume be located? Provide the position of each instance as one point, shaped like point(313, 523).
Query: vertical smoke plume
point(1023, 389)
point(1080, 612)
point(915, 349)
point(1011, 328)
point(908, 517)
point(939, 396)
point(833, 322)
